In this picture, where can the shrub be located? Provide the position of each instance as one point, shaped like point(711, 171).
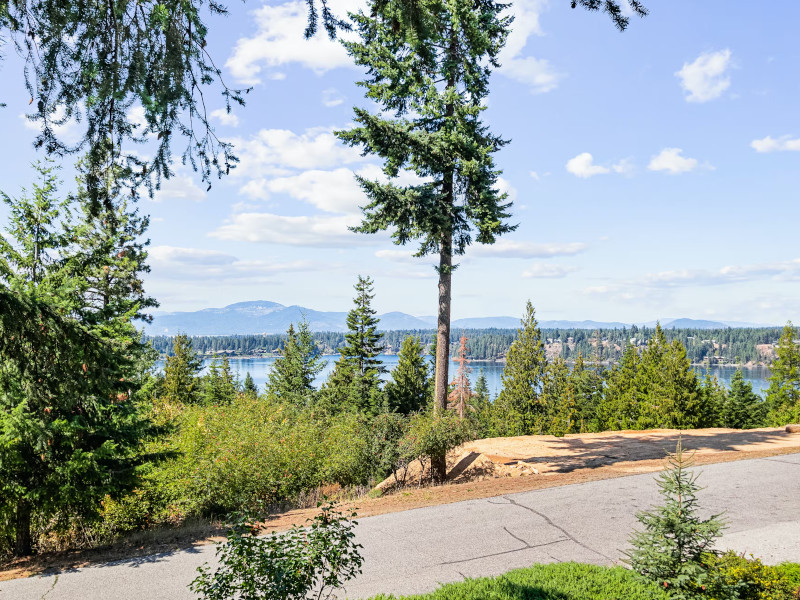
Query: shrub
point(561, 581)
point(283, 566)
point(791, 572)
point(388, 430)
point(348, 459)
point(432, 435)
point(734, 576)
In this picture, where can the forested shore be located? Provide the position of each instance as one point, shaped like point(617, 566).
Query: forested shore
point(736, 347)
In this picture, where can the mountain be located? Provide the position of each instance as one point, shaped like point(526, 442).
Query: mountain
point(262, 316)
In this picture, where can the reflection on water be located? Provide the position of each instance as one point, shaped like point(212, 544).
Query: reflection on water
point(259, 369)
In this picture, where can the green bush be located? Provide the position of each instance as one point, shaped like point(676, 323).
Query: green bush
point(735, 577)
point(433, 435)
point(791, 572)
point(348, 443)
point(562, 581)
point(283, 566)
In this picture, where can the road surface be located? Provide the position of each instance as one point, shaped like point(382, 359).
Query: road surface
point(416, 550)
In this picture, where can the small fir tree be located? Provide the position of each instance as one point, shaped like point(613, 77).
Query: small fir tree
point(670, 549)
point(219, 384)
point(293, 373)
point(519, 404)
point(743, 408)
point(783, 395)
point(250, 388)
point(180, 372)
point(408, 389)
point(558, 397)
point(713, 398)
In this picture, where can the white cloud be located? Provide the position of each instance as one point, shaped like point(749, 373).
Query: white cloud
point(624, 167)
point(547, 271)
point(331, 97)
point(279, 151)
point(706, 78)
point(583, 166)
point(332, 191)
point(512, 249)
point(535, 176)
point(172, 262)
point(69, 132)
point(537, 73)
point(180, 186)
point(782, 144)
point(671, 161)
point(314, 231)
point(407, 257)
point(278, 41)
point(224, 117)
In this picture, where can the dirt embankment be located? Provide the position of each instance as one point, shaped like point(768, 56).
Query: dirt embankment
point(493, 467)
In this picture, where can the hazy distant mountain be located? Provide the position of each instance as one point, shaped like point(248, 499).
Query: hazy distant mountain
point(262, 316)
point(701, 324)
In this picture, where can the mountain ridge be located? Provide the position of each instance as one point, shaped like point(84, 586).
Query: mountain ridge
point(267, 317)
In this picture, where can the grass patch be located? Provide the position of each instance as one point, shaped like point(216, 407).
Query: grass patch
point(560, 581)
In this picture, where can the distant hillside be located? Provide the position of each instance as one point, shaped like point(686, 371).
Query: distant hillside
point(263, 316)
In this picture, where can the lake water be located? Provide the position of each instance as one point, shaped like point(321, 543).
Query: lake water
point(259, 369)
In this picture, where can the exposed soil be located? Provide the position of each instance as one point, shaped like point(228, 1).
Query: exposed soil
point(479, 469)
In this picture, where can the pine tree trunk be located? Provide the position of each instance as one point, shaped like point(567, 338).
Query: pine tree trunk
point(439, 463)
point(23, 545)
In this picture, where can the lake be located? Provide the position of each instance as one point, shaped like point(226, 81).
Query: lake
point(259, 369)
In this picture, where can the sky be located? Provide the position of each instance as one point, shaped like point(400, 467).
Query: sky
point(655, 173)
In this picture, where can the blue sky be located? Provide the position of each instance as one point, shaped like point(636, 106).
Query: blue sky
point(654, 173)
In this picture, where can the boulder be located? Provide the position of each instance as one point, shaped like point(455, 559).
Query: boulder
point(793, 429)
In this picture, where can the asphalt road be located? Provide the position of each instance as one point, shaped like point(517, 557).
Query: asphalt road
point(416, 550)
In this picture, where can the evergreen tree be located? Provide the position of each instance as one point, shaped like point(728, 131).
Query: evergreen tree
point(219, 385)
point(783, 395)
point(434, 81)
point(588, 387)
point(558, 397)
point(713, 397)
point(743, 408)
point(180, 372)
point(106, 258)
point(669, 551)
point(355, 380)
point(482, 389)
point(519, 407)
point(408, 389)
point(69, 429)
point(291, 379)
point(249, 386)
point(33, 240)
point(619, 409)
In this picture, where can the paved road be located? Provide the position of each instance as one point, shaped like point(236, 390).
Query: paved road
point(414, 551)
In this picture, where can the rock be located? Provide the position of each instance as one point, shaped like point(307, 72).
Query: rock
point(793, 429)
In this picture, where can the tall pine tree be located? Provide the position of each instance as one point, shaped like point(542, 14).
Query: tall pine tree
point(180, 372)
point(291, 379)
point(434, 79)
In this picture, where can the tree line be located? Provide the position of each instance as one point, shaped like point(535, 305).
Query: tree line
point(703, 346)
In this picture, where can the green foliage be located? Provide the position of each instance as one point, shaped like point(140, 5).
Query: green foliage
point(348, 455)
point(180, 372)
point(300, 564)
point(791, 572)
point(743, 409)
point(433, 434)
point(670, 550)
point(219, 384)
point(519, 408)
point(249, 386)
point(559, 399)
point(409, 389)
point(292, 376)
point(355, 381)
point(69, 431)
point(783, 395)
point(559, 581)
point(736, 577)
